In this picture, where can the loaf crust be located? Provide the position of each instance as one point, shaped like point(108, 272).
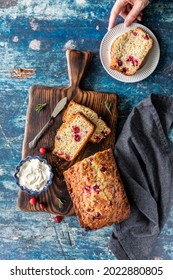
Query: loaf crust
point(129, 50)
point(97, 192)
point(72, 136)
point(101, 131)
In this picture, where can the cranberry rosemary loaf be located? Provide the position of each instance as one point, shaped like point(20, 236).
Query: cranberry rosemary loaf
point(129, 50)
point(101, 131)
point(97, 191)
point(72, 136)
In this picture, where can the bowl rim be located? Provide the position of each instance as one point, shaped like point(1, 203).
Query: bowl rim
point(29, 191)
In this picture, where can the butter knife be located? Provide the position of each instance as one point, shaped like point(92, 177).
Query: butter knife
point(60, 105)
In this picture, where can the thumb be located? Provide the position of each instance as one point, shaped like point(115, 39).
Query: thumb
point(133, 14)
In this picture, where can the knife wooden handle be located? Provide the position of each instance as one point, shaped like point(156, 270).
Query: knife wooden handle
point(77, 62)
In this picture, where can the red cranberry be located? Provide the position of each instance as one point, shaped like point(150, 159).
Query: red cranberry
point(103, 168)
point(88, 189)
point(72, 167)
point(76, 129)
point(77, 137)
point(120, 63)
point(42, 206)
point(67, 157)
point(57, 137)
point(33, 201)
point(135, 62)
point(146, 37)
point(135, 33)
point(60, 153)
point(96, 188)
point(104, 132)
point(43, 150)
point(58, 219)
point(130, 58)
point(124, 70)
point(97, 139)
point(97, 216)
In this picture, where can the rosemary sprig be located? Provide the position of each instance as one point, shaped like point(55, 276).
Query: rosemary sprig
point(61, 203)
point(40, 107)
point(108, 106)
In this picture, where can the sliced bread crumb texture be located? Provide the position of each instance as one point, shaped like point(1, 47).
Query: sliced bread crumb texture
point(101, 131)
point(129, 50)
point(72, 136)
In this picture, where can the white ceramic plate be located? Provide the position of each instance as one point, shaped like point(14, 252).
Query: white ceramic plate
point(149, 63)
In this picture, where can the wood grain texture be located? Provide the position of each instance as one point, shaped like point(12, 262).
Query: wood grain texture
point(78, 61)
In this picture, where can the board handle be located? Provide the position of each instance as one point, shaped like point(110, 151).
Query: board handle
point(77, 62)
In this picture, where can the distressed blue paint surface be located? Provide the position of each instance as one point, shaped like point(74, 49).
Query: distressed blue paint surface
point(36, 34)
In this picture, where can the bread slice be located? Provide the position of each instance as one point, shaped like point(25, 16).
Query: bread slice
point(129, 50)
point(72, 136)
point(101, 131)
point(97, 192)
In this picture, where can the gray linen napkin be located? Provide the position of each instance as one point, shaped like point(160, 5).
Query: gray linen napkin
point(144, 156)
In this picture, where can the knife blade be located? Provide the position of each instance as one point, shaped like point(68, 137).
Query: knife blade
point(60, 105)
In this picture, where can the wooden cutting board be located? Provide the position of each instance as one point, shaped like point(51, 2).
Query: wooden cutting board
point(77, 62)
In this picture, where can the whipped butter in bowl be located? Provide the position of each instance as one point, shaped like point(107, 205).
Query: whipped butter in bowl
point(33, 175)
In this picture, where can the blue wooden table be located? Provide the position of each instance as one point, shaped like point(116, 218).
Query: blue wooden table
point(34, 36)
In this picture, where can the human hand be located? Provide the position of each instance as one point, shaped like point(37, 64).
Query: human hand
point(130, 10)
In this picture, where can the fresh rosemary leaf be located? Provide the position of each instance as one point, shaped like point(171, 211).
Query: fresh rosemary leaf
point(61, 203)
point(108, 106)
point(40, 107)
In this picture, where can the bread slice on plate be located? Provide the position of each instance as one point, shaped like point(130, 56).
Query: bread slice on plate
point(129, 50)
point(101, 131)
point(72, 136)
point(97, 192)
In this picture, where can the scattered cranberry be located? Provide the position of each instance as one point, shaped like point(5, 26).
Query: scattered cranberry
point(33, 201)
point(42, 206)
point(97, 138)
point(124, 70)
point(57, 137)
point(133, 60)
point(67, 157)
point(58, 219)
point(60, 153)
point(72, 168)
point(97, 216)
point(88, 189)
point(76, 129)
point(43, 150)
point(77, 137)
point(135, 33)
point(146, 37)
point(96, 188)
point(104, 132)
point(91, 159)
point(120, 63)
point(103, 168)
